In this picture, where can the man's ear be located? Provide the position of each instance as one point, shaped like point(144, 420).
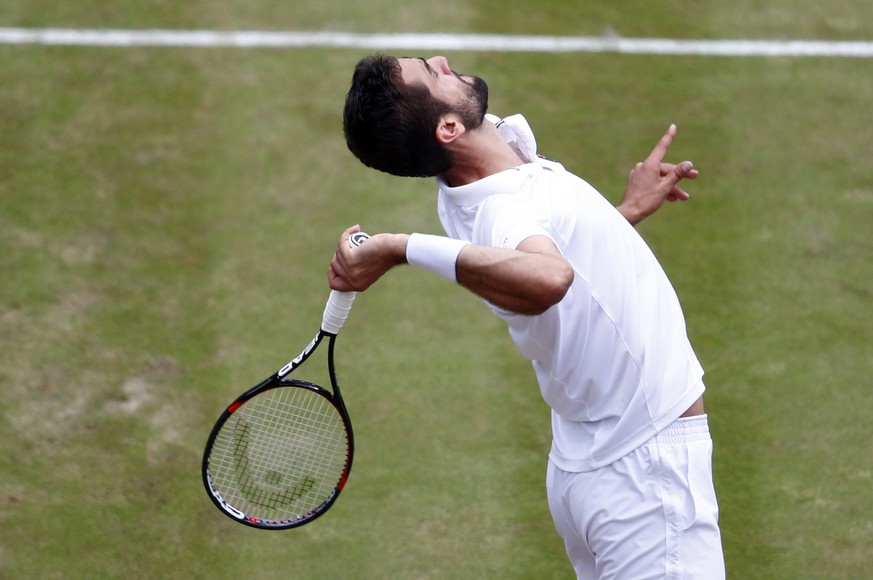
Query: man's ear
point(449, 128)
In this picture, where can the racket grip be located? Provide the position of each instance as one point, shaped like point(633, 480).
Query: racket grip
point(340, 303)
point(337, 310)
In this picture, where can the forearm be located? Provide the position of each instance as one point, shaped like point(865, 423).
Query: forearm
point(527, 280)
point(517, 281)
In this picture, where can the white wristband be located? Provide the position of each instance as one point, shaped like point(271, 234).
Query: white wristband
point(435, 254)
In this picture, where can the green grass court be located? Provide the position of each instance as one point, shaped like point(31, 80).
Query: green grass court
point(166, 220)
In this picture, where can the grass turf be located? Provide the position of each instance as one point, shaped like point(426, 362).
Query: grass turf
point(166, 217)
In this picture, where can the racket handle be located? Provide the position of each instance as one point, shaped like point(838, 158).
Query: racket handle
point(336, 311)
point(340, 303)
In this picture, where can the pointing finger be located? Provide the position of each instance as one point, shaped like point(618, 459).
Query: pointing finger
point(660, 149)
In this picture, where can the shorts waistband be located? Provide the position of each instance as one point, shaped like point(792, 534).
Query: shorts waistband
point(684, 430)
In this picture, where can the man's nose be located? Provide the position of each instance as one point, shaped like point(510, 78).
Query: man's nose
point(441, 64)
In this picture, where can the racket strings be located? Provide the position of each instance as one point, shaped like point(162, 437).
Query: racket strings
point(281, 455)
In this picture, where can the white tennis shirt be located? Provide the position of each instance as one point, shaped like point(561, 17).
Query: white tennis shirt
point(612, 359)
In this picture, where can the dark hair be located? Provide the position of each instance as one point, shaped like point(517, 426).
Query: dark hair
point(390, 126)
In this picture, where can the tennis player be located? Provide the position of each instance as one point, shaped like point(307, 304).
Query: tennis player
point(629, 477)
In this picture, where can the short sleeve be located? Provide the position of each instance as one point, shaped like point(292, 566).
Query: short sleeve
point(504, 221)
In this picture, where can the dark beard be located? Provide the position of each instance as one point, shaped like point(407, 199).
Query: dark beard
point(474, 107)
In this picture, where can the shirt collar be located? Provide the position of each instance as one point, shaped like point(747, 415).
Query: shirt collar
point(507, 181)
point(516, 131)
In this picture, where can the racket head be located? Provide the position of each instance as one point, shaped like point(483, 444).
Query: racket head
point(279, 458)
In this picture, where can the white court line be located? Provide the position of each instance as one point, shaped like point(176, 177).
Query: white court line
point(432, 42)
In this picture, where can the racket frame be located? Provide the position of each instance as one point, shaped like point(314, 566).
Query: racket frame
point(276, 381)
point(336, 311)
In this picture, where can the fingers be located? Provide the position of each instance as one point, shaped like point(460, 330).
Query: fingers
point(343, 247)
point(653, 181)
point(334, 279)
point(678, 194)
point(344, 238)
point(338, 270)
point(683, 170)
point(660, 150)
point(678, 172)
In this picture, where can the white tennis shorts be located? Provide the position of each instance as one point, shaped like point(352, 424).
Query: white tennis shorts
point(652, 514)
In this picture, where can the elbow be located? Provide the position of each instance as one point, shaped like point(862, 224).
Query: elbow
point(553, 288)
point(559, 284)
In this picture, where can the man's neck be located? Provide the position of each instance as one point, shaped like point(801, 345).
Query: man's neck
point(480, 153)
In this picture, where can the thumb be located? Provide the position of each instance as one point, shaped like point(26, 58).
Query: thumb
point(683, 169)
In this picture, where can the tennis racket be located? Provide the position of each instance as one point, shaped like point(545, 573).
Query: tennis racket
point(280, 454)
